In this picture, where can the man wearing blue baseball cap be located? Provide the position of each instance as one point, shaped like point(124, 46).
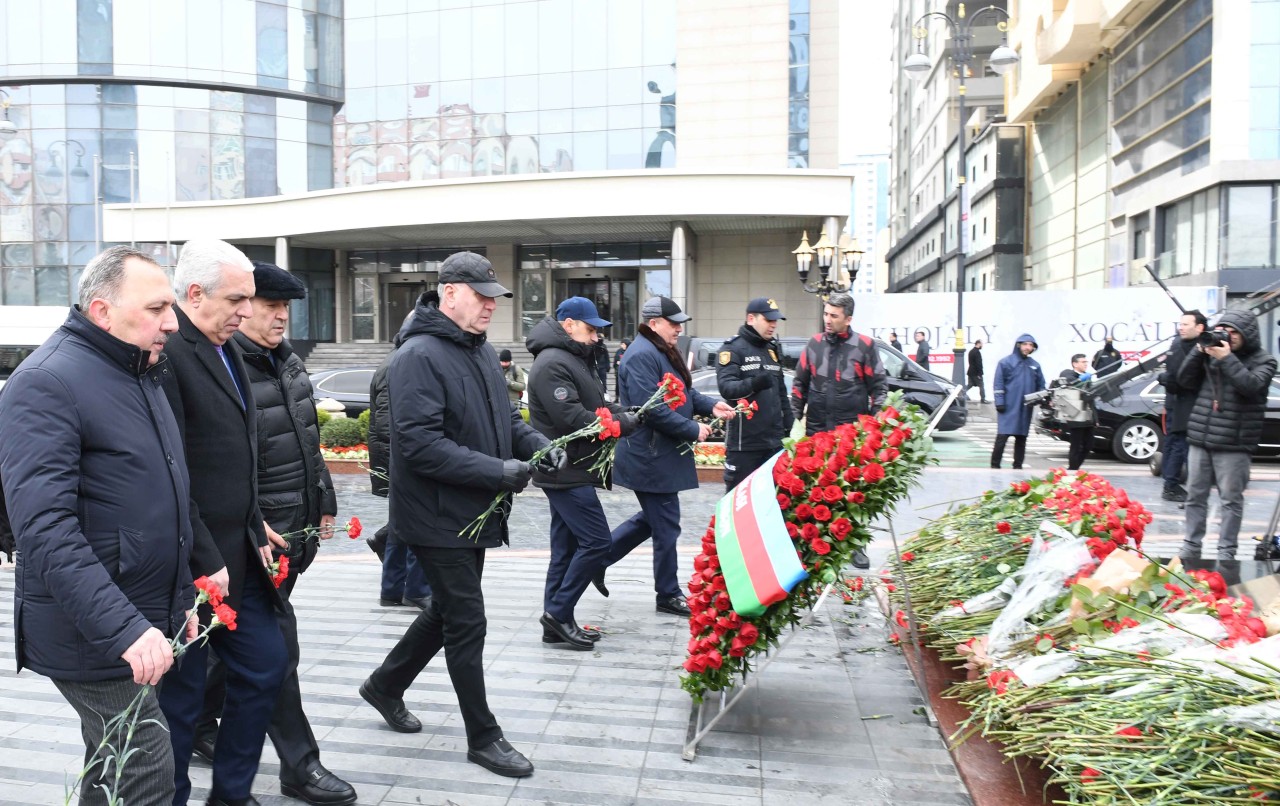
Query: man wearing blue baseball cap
point(563, 398)
point(748, 369)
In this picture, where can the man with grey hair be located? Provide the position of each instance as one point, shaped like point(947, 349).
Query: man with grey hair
point(97, 492)
point(840, 375)
point(213, 403)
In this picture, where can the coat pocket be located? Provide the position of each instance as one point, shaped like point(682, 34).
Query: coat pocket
point(136, 561)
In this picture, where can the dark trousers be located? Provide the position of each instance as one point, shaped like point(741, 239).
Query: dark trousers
point(456, 622)
point(1080, 439)
point(147, 778)
point(1175, 457)
point(402, 577)
point(1019, 449)
point(579, 548)
point(740, 464)
point(257, 661)
point(290, 732)
point(659, 518)
point(975, 382)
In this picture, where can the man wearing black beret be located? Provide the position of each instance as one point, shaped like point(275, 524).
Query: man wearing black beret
point(295, 494)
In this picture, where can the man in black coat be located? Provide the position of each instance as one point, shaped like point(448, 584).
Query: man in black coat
point(1178, 402)
point(97, 491)
point(1108, 359)
point(1233, 379)
point(295, 495)
point(975, 371)
point(208, 388)
point(922, 350)
point(563, 398)
point(748, 369)
point(456, 442)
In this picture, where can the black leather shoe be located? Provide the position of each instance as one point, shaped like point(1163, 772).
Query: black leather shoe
point(393, 711)
point(501, 758)
point(861, 560)
point(377, 547)
point(390, 602)
point(675, 605)
point(321, 788)
point(204, 747)
point(1175, 494)
point(565, 634)
point(249, 801)
point(422, 604)
point(598, 581)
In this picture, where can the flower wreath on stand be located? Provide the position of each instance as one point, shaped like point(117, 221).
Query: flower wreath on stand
point(830, 487)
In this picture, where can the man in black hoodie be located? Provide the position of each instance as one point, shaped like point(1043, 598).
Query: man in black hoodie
point(563, 398)
point(1234, 379)
point(748, 369)
point(456, 441)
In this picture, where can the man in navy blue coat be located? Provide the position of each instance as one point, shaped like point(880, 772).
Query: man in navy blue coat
point(97, 489)
point(652, 461)
point(1017, 374)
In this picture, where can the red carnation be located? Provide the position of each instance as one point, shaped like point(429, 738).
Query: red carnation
point(354, 528)
point(1003, 527)
point(1088, 775)
point(225, 615)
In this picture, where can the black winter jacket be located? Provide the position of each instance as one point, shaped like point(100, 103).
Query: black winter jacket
point(1178, 400)
point(563, 397)
point(742, 359)
point(379, 441)
point(96, 484)
point(291, 470)
point(974, 370)
point(452, 425)
point(839, 377)
point(1232, 402)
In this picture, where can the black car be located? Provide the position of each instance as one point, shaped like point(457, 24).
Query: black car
point(917, 385)
point(347, 385)
point(1130, 425)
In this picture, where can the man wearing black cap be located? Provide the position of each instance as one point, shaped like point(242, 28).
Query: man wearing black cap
point(748, 369)
point(294, 492)
point(564, 398)
point(654, 462)
point(456, 441)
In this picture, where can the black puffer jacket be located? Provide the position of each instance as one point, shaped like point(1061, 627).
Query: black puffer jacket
point(1178, 400)
point(452, 425)
point(744, 358)
point(563, 397)
point(1232, 402)
point(291, 470)
point(839, 377)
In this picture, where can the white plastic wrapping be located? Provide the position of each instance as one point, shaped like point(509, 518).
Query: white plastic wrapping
point(1048, 567)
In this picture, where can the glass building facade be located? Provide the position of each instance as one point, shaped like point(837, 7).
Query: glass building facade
point(1264, 80)
point(798, 86)
point(153, 102)
point(458, 88)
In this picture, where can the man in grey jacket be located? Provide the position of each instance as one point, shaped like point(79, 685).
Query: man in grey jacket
point(1234, 378)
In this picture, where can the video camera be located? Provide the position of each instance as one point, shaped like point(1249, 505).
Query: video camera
point(1037, 397)
point(1213, 338)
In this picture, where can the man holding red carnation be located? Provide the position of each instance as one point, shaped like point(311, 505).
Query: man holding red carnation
point(748, 369)
point(564, 397)
point(654, 462)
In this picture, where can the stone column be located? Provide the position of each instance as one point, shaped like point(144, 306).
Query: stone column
point(341, 302)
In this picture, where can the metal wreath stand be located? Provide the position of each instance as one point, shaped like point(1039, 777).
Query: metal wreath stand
point(698, 730)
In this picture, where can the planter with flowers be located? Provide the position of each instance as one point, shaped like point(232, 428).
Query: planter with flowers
point(1128, 680)
point(351, 459)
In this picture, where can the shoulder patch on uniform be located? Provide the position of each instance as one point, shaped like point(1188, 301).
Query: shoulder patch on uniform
point(772, 354)
point(560, 393)
point(725, 357)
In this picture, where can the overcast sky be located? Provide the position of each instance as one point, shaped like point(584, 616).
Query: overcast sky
point(864, 77)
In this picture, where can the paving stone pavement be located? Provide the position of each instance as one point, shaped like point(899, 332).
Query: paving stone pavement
point(602, 727)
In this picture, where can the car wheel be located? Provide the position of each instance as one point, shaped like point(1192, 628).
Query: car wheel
point(1136, 441)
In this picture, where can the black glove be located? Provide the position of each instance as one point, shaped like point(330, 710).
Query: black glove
point(761, 381)
point(555, 460)
point(1000, 409)
point(515, 475)
point(641, 416)
point(629, 421)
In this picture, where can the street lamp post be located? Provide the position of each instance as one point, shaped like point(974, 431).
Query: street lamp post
point(66, 171)
point(917, 66)
point(833, 277)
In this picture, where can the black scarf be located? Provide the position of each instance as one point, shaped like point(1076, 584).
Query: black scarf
point(670, 352)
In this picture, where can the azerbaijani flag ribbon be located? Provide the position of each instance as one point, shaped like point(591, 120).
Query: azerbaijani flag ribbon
point(757, 557)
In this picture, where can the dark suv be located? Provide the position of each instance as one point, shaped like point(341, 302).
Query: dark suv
point(917, 385)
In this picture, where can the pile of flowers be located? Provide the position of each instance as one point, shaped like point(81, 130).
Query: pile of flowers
point(357, 452)
point(1131, 681)
point(830, 487)
point(709, 454)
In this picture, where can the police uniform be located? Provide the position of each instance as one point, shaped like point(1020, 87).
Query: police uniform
point(748, 367)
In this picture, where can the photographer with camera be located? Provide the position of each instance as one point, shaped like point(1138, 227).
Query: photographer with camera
point(1233, 374)
point(1178, 401)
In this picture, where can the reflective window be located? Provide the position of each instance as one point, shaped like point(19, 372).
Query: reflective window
point(1264, 81)
point(798, 86)
point(1249, 233)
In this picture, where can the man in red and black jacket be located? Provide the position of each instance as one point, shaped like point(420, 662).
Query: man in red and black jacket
point(840, 374)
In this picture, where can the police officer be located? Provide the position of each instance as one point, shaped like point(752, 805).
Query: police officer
point(748, 368)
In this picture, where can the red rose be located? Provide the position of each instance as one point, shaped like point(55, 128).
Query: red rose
point(696, 664)
point(792, 484)
point(832, 493)
point(1003, 527)
point(815, 495)
point(749, 633)
point(828, 477)
point(804, 512)
point(853, 474)
point(821, 546)
point(895, 438)
point(822, 512)
point(855, 497)
point(722, 601)
point(783, 501)
point(737, 649)
point(908, 556)
point(809, 532)
point(840, 528)
point(1088, 775)
point(793, 530)
point(873, 473)
point(714, 659)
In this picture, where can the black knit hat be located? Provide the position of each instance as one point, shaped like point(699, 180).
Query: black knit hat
point(505, 355)
point(272, 282)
